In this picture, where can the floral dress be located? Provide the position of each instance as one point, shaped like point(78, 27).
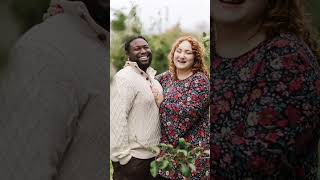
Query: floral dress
point(265, 112)
point(184, 113)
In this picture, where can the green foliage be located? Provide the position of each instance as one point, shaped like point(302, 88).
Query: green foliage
point(181, 157)
point(125, 26)
point(119, 23)
point(153, 168)
point(111, 170)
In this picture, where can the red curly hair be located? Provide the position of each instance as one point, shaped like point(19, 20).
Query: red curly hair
point(290, 16)
point(198, 52)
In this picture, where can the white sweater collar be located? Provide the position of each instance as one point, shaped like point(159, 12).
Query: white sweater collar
point(78, 8)
point(149, 72)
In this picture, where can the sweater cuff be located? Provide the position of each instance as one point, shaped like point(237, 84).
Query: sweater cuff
point(121, 157)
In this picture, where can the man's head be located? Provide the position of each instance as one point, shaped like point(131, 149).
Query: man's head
point(99, 11)
point(138, 50)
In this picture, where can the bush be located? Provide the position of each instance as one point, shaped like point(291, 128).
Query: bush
point(182, 158)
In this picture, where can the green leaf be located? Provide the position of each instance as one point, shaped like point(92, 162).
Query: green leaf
point(204, 34)
point(198, 151)
point(192, 166)
point(188, 146)
point(153, 168)
point(170, 166)
point(190, 160)
point(167, 148)
point(182, 143)
point(163, 164)
point(155, 150)
point(182, 153)
point(111, 169)
point(163, 146)
point(185, 170)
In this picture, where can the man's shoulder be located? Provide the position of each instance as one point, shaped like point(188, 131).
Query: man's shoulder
point(50, 31)
point(126, 73)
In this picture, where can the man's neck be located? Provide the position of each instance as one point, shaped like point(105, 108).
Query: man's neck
point(234, 41)
point(140, 66)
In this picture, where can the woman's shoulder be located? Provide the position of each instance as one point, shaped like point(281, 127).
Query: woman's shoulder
point(287, 43)
point(200, 76)
point(162, 76)
point(288, 48)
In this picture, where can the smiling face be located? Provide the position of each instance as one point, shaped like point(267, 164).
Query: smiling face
point(140, 52)
point(183, 57)
point(233, 12)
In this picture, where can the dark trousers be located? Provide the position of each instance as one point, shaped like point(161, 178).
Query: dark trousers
point(135, 169)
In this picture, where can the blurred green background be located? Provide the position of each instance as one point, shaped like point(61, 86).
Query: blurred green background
point(127, 25)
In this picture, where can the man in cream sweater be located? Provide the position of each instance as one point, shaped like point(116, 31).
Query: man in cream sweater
point(134, 115)
point(54, 97)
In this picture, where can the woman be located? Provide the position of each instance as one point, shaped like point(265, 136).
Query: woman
point(184, 106)
point(265, 87)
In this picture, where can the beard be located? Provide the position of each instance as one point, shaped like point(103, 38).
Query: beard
point(143, 66)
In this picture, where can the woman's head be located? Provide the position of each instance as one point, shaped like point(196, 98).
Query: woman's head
point(272, 17)
point(186, 54)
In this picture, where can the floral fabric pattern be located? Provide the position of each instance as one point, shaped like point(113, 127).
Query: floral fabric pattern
point(184, 113)
point(265, 112)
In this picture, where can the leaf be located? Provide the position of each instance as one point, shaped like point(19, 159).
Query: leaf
point(167, 148)
point(182, 143)
point(198, 151)
point(163, 164)
point(190, 160)
point(162, 145)
point(192, 167)
point(182, 153)
point(153, 168)
point(170, 166)
point(155, 150)
point(204, 34)
point(185, 170)
point(188, 146)
point(111, 169)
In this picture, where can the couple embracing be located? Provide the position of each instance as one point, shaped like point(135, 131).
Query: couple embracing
point(146, 110)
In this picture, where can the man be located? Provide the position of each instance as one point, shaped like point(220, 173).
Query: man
point(54, 113)
point(134, 119)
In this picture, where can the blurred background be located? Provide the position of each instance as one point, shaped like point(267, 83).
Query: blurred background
point(16, 17)
point(161, 23)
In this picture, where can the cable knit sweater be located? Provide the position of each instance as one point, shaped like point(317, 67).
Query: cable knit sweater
point(134, 121)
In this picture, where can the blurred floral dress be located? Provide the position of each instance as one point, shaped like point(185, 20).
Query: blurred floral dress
point(265, 112)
